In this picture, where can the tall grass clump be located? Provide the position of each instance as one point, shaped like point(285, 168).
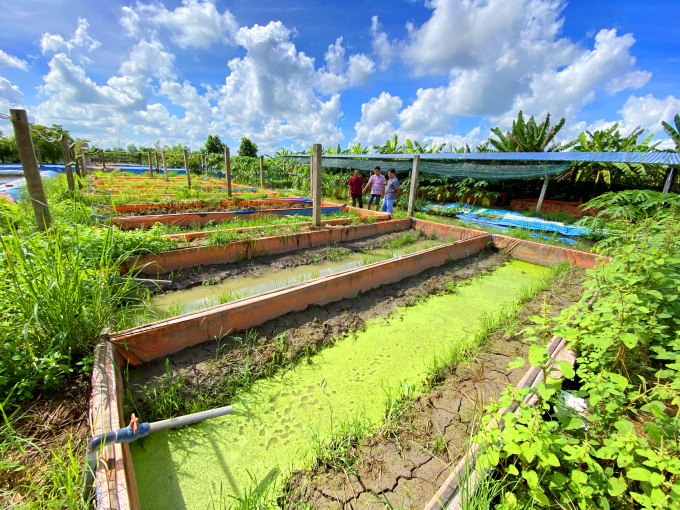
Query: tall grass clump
point(56, 298)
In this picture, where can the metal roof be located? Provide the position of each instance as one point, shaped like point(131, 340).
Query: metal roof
point(651, 158)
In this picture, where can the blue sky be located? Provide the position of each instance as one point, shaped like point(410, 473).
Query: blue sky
point(300, 72)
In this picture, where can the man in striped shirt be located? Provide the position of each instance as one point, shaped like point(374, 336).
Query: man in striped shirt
point(377, 184)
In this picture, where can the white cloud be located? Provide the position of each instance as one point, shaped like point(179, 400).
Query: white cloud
point(334, 77)
point(648, 112)
point(381, 44)
point(608, 66)
point(377, 119)
point(10, 95)
point(505, 55)
point(269, 94)
point(193, 24)
point(81, 40)
point(7, 60)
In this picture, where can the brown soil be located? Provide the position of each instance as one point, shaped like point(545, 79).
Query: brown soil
point(207, 366)
point(216, 207)
point(407, 469)
point(51, 425)
point(218, 272)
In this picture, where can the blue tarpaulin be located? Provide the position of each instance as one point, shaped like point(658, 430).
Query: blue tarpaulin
point(498, 218)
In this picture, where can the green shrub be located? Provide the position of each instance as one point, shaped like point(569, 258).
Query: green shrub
point(623, 452)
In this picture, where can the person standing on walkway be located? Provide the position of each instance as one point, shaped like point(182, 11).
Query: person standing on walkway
point(392, 191)
point(377, 185)
point(356, 184)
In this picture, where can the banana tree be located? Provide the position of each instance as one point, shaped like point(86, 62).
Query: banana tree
point(390, 147)
point(528, 136)
point(358, 149)
point(673, 132)
point(610, 140)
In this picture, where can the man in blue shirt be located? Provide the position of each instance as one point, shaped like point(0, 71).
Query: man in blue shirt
point(392, 191)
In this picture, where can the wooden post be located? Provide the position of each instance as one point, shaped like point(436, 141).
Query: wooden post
point(186, 166)
point(80, 176)
point(150, 164)
point(262, 172)
point(543, 190)
point(83, 165)
point(204, 168)
point(316, 185)
point(66, 153)
point(158, 167)
point(414, 185)
point(227, 169)
point(165, 165)
point(101, 153)
point(670, 177)
point(36, 192)
point(38, 155)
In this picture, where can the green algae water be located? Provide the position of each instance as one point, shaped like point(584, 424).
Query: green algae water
point(204, 296)
point(271, 424)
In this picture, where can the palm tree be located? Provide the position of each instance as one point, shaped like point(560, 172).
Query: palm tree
point(528, 136)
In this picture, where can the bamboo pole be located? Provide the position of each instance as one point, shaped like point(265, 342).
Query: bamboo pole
point(158, 167)
point(542, 196)
point(101, 153)
point(150, 164)
point(414, 185)
point(186, 166)
point(165, 165)
point(227, 169)
point(66, 153)
point(38, 155)
point(316, 185)
point(36, 192)
point(262, 172)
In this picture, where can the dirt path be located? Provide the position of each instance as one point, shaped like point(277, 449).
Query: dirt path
point(205, 371)
point(407, 469)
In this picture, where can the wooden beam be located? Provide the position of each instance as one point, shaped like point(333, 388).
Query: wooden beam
point(227, 169)
point(66, 154)
point(36, 192)
point(150, 164)
point(315, 172)
point(262, 172)
point(414, 185)
point(165, 165)
point(186, 167)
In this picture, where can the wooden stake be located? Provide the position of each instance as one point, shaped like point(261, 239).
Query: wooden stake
point(66, 153)
point(80, 176)
point(165, 165)
point(83, 165)
point(542, 196)
point(101, 153)
point(316, 185)
point(36, 192)
point(262, 172)
point(227, 169)
point(38, 155)
point(158, 167)
point(414, 186)
point(186, 166)
point(150, 164)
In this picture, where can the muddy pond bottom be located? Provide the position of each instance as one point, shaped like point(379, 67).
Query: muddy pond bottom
point(231, 289)
point(273, 423)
